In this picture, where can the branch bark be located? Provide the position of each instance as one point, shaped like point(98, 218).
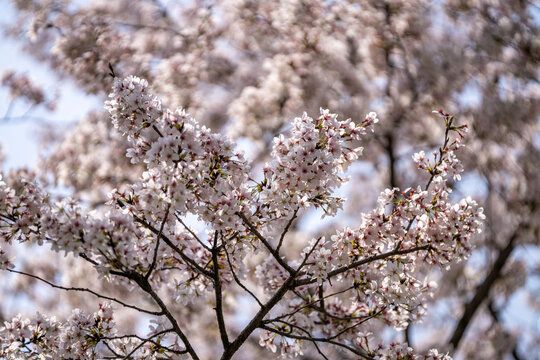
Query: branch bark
point(219, 296)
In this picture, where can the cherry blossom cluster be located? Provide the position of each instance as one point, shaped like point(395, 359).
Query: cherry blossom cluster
point(110, 240)
point(306, 165)
point(81, 336)
point(188, 167)
point(379, 263)
point(84, 46)
point(403, 352)
point(140, 237)
point(70, 228)
point(44, 337)
point(20, 207)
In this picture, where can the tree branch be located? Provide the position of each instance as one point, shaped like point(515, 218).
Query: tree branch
point(191, 232)
point(364, 261)
point(144, 341)
point(219, 296)
point(323, 340)
point(289, 223)
point(312, 305)
point(495, 315)
point(256, 322)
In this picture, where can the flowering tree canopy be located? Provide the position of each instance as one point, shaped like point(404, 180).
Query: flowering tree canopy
point(164, 240)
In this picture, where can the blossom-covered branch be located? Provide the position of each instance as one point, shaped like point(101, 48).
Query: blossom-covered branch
point(344, 284)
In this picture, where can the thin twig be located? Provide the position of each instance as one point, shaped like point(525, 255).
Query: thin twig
point(157, 313)
point(289, 223)
point(154, 259)
point(265, 242)
point(192, 232)
point(322, 340)
point(238, 280)
point(311, 304)
point(364, 261)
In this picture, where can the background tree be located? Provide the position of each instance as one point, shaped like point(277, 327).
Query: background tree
point(248, 67)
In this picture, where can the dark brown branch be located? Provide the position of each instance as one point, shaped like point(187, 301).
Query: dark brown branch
point(321, 301)
point(219, 296)
point(85, 257)
point(116, 355)
point(256, 321)
point(342, 331)
point(191, 232)
point(408, 337)
point(157, 130)
point(391, 159)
